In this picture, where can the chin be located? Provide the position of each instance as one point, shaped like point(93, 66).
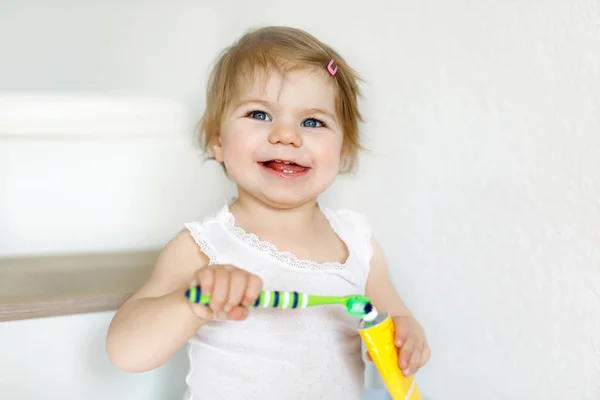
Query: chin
point(285, 200)
point(279, 198)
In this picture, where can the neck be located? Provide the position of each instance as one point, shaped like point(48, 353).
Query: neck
point(252, 212)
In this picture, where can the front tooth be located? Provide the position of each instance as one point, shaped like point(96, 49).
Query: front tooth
point(287, 171)
point(287, 162)
point(277, 160)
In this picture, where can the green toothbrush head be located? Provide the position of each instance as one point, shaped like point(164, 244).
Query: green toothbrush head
point(361, 307)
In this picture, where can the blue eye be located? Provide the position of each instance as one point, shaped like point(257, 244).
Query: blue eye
point(312, 123)
point(259, 115)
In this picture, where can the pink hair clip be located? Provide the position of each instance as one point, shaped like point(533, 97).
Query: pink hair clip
point(332, 71)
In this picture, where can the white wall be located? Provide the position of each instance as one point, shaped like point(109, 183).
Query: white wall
point(64, 358)
point(486, 122)
point(484, 118)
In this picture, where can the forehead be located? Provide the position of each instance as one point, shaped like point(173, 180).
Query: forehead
point(303, 88)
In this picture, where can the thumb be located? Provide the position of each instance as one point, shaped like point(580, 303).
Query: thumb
point(201, 311)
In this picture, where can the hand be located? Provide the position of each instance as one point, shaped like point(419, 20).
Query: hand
point(410, 338)
point(232, 291)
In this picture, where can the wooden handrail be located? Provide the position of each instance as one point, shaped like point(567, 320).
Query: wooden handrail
point(53, 285)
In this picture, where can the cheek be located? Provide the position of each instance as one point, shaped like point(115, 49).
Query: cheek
point(240, 138)
point(238, 149)
point(328, 154)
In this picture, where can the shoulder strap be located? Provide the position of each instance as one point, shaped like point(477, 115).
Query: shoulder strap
point(355, 230)
point(202, 232)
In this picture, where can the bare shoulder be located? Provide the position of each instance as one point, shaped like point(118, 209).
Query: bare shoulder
point(378, 259)
point(180, 256)
point(174, 267)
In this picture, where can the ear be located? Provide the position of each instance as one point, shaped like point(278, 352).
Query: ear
point(217, 148)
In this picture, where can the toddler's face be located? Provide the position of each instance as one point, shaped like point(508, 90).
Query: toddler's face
point(280, 140)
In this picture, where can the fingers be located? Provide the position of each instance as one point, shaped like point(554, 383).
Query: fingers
point(402, 333)
point(406, 345)
point(418, 358)
point(220, 291)
point(255, 286)
point(231, 290)
point(406, 355)
point(414, 358)
point(425, 355)
point(205, 279)
point(414, 355)
point(414, 350)
point(238, 313)
point(238, 282)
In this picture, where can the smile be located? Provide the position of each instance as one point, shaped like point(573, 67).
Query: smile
point(284, 169)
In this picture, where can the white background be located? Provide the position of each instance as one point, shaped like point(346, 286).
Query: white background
point(483, 184)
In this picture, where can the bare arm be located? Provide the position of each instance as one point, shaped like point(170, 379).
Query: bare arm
point(150, 327)
point(410, 336)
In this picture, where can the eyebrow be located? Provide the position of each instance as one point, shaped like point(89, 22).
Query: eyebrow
point(247, 101)
point(270, 105)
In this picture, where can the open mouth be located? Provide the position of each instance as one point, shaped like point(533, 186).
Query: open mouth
point(284, 168)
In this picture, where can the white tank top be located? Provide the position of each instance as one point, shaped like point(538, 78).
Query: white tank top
point(310, 353)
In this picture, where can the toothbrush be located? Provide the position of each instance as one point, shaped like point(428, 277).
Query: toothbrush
point(356, 305)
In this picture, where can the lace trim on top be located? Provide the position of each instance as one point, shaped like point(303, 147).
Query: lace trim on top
point(283, 256)
point(196, 230)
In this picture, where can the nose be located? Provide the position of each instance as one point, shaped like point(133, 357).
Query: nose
point(285, 134)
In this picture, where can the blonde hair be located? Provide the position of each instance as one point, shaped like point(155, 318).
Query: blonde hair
point(283, 49)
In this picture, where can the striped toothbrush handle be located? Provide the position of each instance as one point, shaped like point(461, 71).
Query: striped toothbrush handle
point(267, 298)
